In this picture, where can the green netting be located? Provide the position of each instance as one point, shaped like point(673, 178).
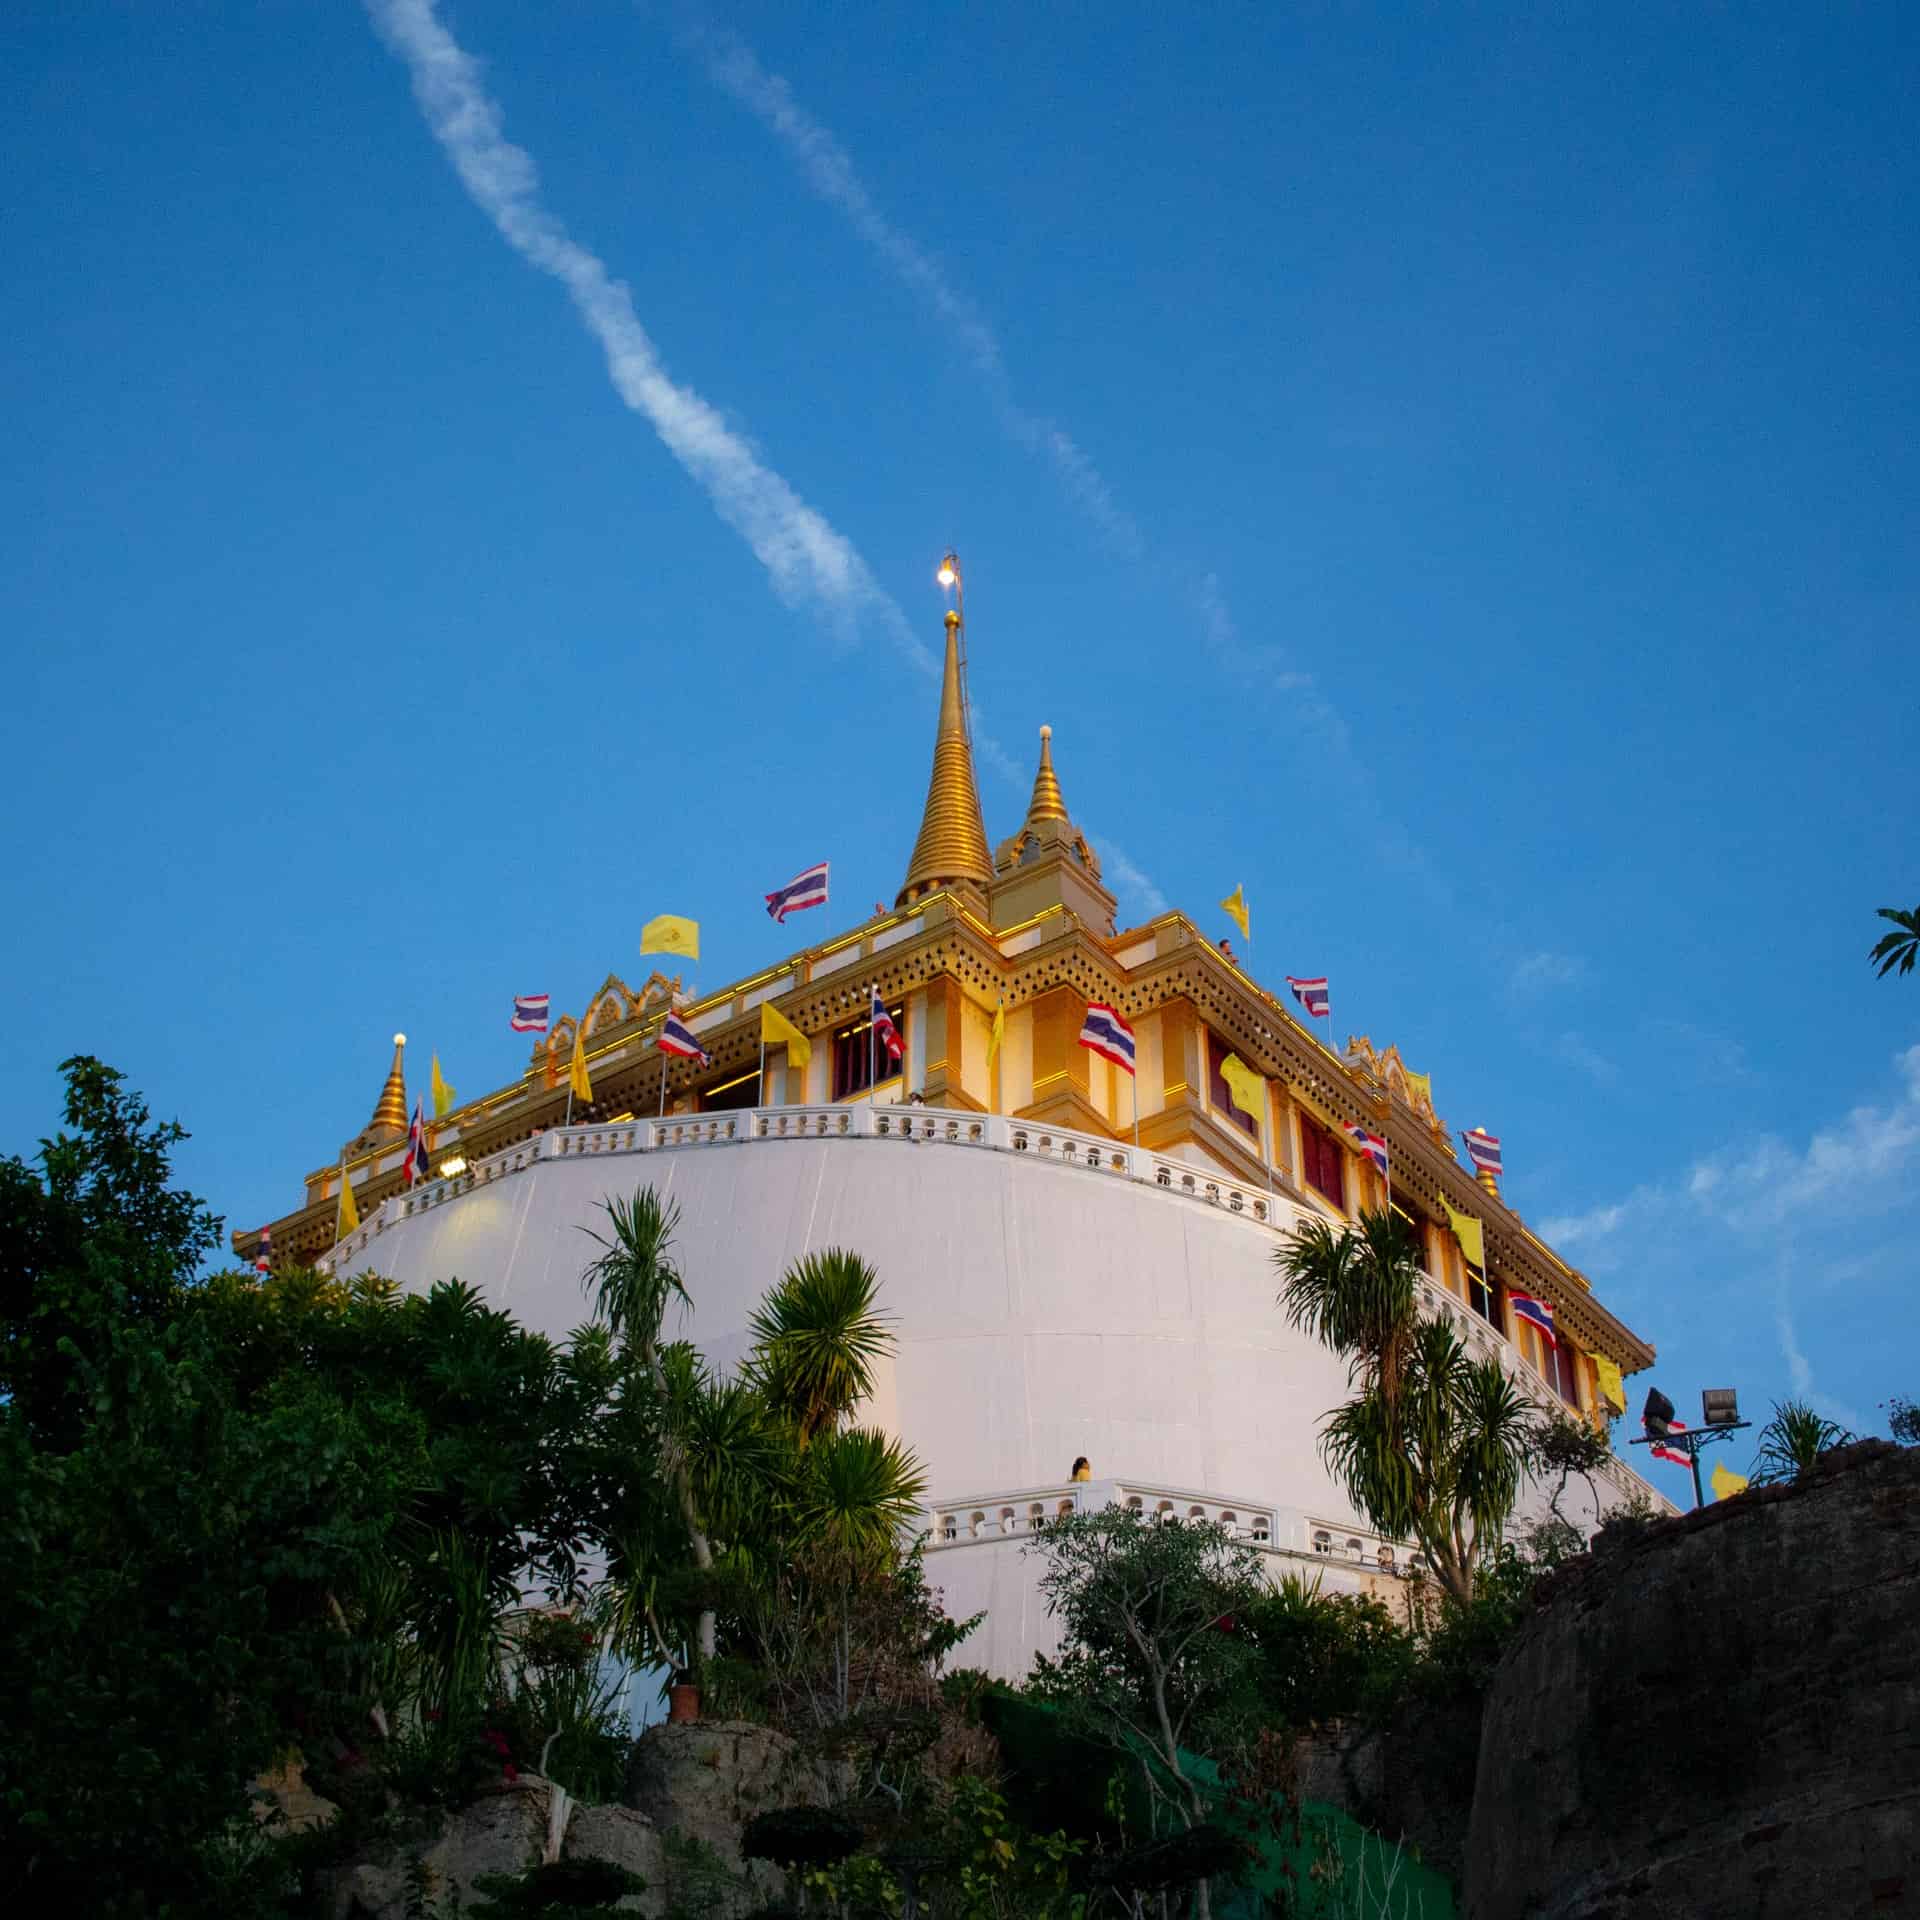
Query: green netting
point(1312, 1862)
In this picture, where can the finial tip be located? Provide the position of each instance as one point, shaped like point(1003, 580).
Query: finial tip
point(1046, 733)
point(399, 1039)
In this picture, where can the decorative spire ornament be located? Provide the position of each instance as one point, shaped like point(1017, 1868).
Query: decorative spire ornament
point(390, 1113)
point(952, 847)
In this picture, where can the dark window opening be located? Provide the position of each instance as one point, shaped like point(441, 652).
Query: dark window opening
point(853, 1071)
point(1416, 1226)
point(1322, 1161)
point(1563, 1369)
point(1486, 1302)
point(1220, 1093)
point(728, 1095)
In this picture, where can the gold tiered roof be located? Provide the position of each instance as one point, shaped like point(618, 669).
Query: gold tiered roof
point(952, 848)
point(390, 1112)
point(1047, 803)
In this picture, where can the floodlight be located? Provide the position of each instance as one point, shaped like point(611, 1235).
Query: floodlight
point(1657, 1415)
point(452, 1169)
point(1720, 1407)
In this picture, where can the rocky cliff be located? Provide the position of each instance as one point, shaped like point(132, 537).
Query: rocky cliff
point(1717, 1715)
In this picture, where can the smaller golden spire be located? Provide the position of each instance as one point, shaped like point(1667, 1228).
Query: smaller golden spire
point(391, 1111)
point(1046, 803)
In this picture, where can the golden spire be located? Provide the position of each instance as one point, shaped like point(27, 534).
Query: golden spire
point(1046, 803)
point(391, 1112)
point(953, 837)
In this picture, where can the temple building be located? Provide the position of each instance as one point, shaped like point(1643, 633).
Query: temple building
point(1068, 1275)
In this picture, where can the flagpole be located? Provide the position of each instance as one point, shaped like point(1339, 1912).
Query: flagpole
point(760, 1092)
point(663, 1080)
point(873, 1085)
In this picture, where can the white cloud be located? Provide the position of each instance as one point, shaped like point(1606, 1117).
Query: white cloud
point(1542, 970)
point(828, 169)
point(1575, 1050)
point(808, 562)
point(1128, 882)
point(1808, 1221)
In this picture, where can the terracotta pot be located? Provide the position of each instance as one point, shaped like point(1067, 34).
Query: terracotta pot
point(683, 1703)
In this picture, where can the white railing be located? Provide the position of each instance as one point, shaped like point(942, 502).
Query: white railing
point(743, 1126)
point(1284, 1532)
point(938, 1126)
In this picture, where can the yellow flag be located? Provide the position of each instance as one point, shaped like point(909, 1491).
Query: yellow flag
point(1421, 1083)
point(999, 1032)
point(777, 1030)
point(1243, 1084)
point(1466, 1229)
point(1235, 907)
point(1613, 1390)
point(1726, 1483)
point(349, 1213)
point(670, 933)
point(577, 1073)
point(442, 1093)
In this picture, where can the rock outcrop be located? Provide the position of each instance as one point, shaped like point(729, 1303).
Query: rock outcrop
point(1410, 1781)
point(692, 1789)
point(1718, 1715)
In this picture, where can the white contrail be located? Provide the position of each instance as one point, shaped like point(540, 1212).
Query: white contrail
point(830, 171)
point(807, 561)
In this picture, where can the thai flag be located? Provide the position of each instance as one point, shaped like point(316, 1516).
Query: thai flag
point(675, 1036)
point(1371, 1145)
point(264, 1258)
point(416, 1162)
point(529, 1013)
point(1667, 1453)
point(1105, 1033)
point(1536, 1313)
point(1483, 1148)
point(808, 889)
point(1312, 994)
point(884, 1030)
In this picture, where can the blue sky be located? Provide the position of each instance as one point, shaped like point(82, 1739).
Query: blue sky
point(1455, 476)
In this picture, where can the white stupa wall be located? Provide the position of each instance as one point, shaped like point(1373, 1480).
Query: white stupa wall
point(1041, 1311)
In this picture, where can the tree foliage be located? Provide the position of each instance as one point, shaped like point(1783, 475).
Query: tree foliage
point(1794, 1437)
point(1899, 950)
point(1433, 1444)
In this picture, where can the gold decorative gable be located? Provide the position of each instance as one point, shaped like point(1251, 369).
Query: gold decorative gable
point(1392, 1076)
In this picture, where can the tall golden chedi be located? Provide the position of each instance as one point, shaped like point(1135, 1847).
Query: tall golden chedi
point(1059, 1292)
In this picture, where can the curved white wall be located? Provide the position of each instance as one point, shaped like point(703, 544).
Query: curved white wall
point(1041, 1311)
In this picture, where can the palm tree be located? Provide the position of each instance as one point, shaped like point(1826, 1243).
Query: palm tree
point(817, 1339)
point(1433, 1444)
point(1792, 1440)
point(1357, 1292)
point(1901, 947)
point(856, 1490)
point(633, 1281)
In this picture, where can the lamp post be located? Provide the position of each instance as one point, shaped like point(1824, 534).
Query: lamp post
point(1719, 1419)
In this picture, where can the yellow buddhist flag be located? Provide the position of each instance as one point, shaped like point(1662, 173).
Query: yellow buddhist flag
point(777, 1030)
point(442, 1093)
point(577, 1073)
point(349, 1213)
point(671, 933)
point(1422, 1084)
point(999, 1031)
point(1466, 1229)
point(1235, 908)
point(1613, 1390)
point(1726, 1483)
point(1243, 1084)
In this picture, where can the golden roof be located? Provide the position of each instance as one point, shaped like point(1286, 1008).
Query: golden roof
point(1046, 803)
point(391, 1111)
point(953, 837)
